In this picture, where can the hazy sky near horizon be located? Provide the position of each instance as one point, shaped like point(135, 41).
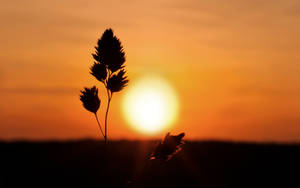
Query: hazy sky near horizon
point(234, 64)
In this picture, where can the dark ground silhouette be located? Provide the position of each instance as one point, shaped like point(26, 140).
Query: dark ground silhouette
point(199, 164)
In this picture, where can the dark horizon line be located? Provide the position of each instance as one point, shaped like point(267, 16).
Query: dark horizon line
point(213, 140)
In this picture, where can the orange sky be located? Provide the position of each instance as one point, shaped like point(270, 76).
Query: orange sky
point(235, 65)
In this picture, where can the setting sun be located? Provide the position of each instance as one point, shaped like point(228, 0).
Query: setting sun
point(151, 105)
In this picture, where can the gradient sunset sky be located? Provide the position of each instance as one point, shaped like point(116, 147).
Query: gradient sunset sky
point(234, 64)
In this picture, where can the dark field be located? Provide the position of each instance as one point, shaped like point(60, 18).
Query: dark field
point(199, 164)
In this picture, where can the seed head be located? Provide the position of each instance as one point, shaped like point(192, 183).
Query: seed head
point(117, 82)
point(90, 100)
point(166, 149)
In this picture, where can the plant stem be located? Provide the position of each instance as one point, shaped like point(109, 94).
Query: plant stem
point(99, 124)
point(106, 114)
point(109, 96)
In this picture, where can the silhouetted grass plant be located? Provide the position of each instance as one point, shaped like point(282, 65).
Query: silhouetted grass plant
point(167, 148)
point(108, 68)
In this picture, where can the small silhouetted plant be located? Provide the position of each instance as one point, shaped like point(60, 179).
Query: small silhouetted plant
point(108, 68)
point(167, 148)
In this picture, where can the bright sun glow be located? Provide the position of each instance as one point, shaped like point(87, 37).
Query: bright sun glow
point(150, 105)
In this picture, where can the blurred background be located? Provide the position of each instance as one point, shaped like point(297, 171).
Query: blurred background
point(234, 65)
